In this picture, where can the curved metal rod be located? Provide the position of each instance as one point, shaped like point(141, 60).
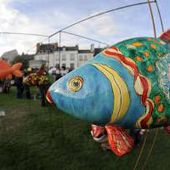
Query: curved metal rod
point(59, 45)
point(152, 18)
point(160, 16)
point(23, 33)
point(99, 14)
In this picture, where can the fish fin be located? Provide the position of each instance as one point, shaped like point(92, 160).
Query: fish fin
point(165, 36)
point(4, 65)
point(98, 133)
point(17, 73)
point(17, 66)
point(119, 140)
point(16, 70)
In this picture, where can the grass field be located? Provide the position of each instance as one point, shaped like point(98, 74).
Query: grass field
point(36, 138)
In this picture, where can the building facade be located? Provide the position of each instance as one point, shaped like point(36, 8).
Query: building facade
point(68, 56)
point(10, 55)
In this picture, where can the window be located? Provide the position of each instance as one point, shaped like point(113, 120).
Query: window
point(72, 65)
point(63, 65)
point(80, 58)
point(63, 57)
point(72, 57)
point(85, 57)
point(57, 65)
point(57, 58)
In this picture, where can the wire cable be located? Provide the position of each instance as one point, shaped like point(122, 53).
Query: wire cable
point(23, 33)
point(152, 18)
point(93, 16)
point(160, 16)
point(99, 14)
point(87, 38)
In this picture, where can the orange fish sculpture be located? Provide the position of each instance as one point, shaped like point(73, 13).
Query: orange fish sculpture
point(6, 70)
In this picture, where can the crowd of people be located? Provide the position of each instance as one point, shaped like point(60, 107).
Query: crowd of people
point(58, 72)
point(40, 79)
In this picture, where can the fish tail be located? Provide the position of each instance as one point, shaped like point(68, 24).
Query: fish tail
point(165, 36)
point(16, 70)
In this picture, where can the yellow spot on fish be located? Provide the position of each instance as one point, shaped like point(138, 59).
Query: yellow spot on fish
point(150, 68)
point(160, 108)
point(146, 54)
point(139, 58)
point(153, 46)
point(157, 99)
point(137, 44)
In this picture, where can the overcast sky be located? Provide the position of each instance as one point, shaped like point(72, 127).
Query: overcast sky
point(48, 16)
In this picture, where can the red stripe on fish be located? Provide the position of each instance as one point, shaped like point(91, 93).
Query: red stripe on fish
point(144, 83)
point(144, 121)
point(145, 88)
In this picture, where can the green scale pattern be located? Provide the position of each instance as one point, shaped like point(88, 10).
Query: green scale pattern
point(146, 52)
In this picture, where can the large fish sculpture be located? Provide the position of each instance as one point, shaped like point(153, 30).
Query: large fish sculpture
point(125, 86)
point(7, 71)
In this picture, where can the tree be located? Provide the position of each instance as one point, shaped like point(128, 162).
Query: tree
point(24, 58)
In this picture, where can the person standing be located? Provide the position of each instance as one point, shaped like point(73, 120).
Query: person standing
point(19, 87)
point(43, 84)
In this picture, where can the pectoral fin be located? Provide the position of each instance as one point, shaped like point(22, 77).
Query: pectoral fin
point(119, 140)
point(16, 70)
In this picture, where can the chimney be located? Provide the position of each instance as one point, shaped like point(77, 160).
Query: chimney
point(55, 46)
point(37, 47)
point(92, 48)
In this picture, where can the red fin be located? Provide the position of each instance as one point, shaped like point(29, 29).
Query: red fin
point(97, 130)
point(120, 141)
point(99, 134)
point(4, 65)
point(16, 70)
point(165, 36)
point(17, 73)
point(17, 66)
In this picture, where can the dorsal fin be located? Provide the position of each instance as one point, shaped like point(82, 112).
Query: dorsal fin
point(165, 36)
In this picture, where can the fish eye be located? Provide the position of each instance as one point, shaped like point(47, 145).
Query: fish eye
point(75, 83)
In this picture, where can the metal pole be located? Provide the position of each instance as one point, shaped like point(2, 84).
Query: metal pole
point(48, 52)
point(160, 17)
point(152, 18)
point(59, 50)
point(99, 14)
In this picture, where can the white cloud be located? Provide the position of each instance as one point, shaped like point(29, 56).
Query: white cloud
point(101, 29)
point(46, 23)
point(109, 28)
point(14, 21)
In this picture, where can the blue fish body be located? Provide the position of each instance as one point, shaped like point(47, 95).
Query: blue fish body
point(94, 101)
point(126, 85)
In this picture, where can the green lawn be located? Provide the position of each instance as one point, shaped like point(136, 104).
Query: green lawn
point(36, 138)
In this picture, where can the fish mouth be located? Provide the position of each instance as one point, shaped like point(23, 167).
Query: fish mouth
point(49, 98)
